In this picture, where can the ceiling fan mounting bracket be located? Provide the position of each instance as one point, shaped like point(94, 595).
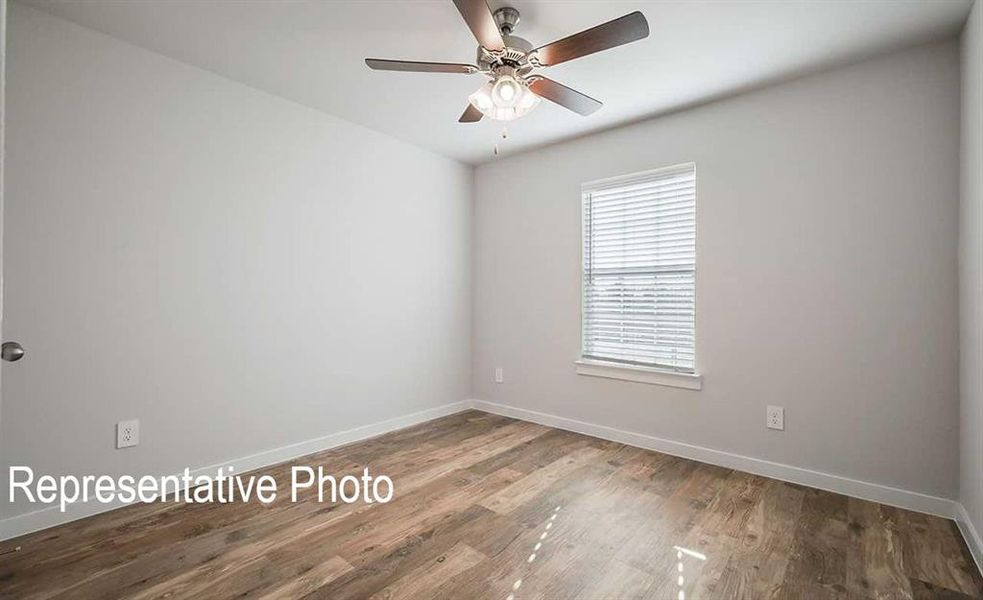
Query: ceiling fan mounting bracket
point(506, 18)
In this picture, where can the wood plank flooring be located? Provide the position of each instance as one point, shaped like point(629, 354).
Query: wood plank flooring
point(489, 507)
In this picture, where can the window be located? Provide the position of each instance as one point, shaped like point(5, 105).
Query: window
point(639, 271)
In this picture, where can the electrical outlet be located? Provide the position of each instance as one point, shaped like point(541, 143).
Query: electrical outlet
point(499, 375)
point(127, 433)
point(775, 418)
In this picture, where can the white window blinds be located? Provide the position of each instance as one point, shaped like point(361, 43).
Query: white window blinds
point(640, 269)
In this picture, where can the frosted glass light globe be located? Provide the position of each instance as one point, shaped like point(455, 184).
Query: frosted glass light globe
point(504, 99)
point(505, 91)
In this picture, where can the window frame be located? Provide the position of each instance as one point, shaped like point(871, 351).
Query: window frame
point(642, 373)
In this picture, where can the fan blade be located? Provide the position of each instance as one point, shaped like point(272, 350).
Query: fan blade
point(629, 28)
point(481, 22)
point(471, 115)
point(557, 93)
point(381, 64)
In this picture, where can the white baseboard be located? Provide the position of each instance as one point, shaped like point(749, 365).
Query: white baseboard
point(972, 537)
point(834, 483)
point(50, 516)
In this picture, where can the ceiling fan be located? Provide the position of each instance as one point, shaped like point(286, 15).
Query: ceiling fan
point(509, 62)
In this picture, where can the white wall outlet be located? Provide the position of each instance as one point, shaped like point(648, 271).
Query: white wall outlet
point(127, 433)
point(499, 375)
point(775, 418)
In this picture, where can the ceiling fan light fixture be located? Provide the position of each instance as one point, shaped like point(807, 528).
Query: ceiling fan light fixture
point(515, 89)
point(505, 91)
point(504, 99)
point(482, 99)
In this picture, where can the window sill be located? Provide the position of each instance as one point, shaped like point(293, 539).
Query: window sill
point(596, 368)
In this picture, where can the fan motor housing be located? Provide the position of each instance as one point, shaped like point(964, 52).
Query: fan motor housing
point(516, 48)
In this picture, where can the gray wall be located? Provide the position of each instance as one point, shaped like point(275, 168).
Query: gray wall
point(237, 271)
point(826, 283)
point(971, 274)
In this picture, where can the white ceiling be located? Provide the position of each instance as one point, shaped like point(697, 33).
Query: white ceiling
point(311, 52)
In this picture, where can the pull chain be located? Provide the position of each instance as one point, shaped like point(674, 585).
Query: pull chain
point(505, 136)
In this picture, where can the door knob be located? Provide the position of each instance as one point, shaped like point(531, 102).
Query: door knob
point(11, 351)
